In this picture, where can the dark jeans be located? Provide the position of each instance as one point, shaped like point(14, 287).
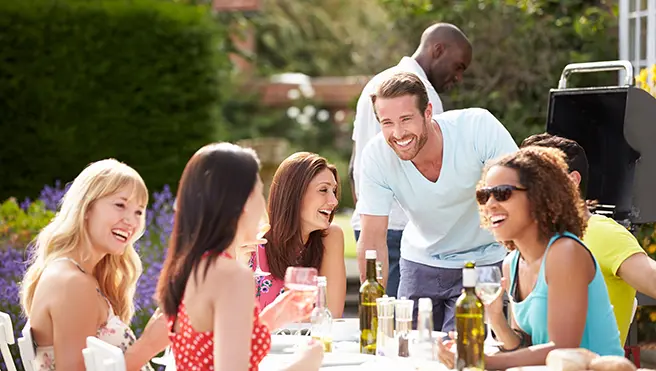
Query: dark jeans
point(442, 285)
point(393, 255)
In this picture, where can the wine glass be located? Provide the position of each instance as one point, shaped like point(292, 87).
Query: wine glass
point(488, 286)
point(264, 228)
point(304, 280)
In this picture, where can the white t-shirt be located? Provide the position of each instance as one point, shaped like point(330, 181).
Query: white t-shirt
point(366, 126)
point(444, 225)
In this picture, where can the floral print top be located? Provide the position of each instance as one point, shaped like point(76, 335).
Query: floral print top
point(268, 287)
point(114, 332)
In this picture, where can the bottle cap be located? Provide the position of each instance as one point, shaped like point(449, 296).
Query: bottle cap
point(469, 277)
point(425, 304)
point(370, 254)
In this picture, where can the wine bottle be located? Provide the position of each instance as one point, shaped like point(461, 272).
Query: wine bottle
point(321, 319)
point(469, 324)
point(370, 290)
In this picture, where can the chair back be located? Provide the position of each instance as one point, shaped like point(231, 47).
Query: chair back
point(27, 348)
point(102, 356)
point(6, 339)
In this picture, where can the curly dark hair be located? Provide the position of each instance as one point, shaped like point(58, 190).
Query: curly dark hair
point(554, 199)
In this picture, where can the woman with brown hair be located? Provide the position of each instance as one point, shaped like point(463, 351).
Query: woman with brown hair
point(302, 202)
point(557, 292)
point(206, 294)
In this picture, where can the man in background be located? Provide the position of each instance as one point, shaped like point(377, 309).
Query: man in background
point(444, 53)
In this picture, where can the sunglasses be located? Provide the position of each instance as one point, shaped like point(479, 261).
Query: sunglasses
point(500, 193)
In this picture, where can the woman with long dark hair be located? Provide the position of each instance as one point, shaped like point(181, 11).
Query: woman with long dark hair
point(302, 203)
point(207, 295)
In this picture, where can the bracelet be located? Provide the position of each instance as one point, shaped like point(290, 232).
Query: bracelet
point(523, 341)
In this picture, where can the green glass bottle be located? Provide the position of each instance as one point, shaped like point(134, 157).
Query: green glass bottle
point(370, 290)
point(469, 324)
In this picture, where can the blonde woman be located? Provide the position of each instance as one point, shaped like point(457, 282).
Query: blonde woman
point(84, 270)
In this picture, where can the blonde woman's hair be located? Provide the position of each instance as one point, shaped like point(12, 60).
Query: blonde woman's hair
point(117, 275)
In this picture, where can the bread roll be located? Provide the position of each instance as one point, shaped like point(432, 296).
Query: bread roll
point(576, 359)
point(611, 363)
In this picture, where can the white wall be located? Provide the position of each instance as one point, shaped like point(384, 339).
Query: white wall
point(638, 33)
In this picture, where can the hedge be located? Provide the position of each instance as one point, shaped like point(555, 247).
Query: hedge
point(138, 80)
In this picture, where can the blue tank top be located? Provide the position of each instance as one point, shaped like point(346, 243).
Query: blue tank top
point(600, 334)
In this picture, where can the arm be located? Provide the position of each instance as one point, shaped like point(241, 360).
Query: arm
point(233, 320)
point(76, 313)
point(334, 269)
point(374, 206)
point(351, 171)
point(639, 271)
point(505, 333)
point(569, 270)
point(373, 237)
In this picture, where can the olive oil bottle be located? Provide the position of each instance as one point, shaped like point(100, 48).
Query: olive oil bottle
point(370, 290)
point(469, 324)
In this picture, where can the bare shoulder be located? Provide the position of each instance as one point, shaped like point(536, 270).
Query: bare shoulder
point(334, 238)
point(568, 252)
point(68, 291)
point(232, 274)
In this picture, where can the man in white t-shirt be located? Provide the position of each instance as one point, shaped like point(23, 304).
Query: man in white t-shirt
point(430, 164)
point(444, 53)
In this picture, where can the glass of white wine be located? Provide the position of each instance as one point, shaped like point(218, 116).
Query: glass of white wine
point(488, 286)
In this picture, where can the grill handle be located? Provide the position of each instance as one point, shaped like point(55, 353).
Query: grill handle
point(597, 67)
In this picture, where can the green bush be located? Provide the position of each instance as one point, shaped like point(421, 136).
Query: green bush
point(19, 226)
point(141, 81)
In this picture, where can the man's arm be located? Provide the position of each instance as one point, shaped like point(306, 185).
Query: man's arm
point(639, 271)
point(351, 171)
point(373, 236)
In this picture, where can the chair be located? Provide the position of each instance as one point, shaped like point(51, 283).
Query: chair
point(101, 356)
point(27, 348)
point(6, 339)
point(633, 350)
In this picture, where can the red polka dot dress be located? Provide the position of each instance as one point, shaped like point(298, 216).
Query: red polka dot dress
point(194, 351)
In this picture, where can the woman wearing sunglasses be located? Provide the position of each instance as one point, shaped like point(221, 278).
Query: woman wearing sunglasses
point(557, 292)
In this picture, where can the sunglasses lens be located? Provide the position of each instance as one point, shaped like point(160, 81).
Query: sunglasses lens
point(482, 195)
point(502, 193)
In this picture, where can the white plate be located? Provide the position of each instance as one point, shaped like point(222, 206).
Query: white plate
point(282, 344)
point(529, 368)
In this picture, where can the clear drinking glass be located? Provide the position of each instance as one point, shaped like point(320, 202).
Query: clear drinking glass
point(488, 287)
point(304, 280)
point(264, 228)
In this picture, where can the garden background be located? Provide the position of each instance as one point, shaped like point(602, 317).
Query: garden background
point(150, 81)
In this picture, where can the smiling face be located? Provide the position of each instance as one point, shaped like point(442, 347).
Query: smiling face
point(319, 202)
point(115, 221)
point(404, 126)
point(510, 217)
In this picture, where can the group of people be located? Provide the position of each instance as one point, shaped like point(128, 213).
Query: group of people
point(437, 189)
point(434, 189)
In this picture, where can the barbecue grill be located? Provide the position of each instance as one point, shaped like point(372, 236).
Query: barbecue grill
point(616, 126)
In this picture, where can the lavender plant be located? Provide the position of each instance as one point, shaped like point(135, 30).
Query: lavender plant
point(14, 252)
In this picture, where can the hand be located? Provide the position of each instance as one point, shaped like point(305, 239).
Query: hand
point(156, 332)
point(445, 352)
point(310, 358)
point(290, 306)
point(495, 308)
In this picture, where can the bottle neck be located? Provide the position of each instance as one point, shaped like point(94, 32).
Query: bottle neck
point(371, 270)
point(321, 296)
point(469, 279)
